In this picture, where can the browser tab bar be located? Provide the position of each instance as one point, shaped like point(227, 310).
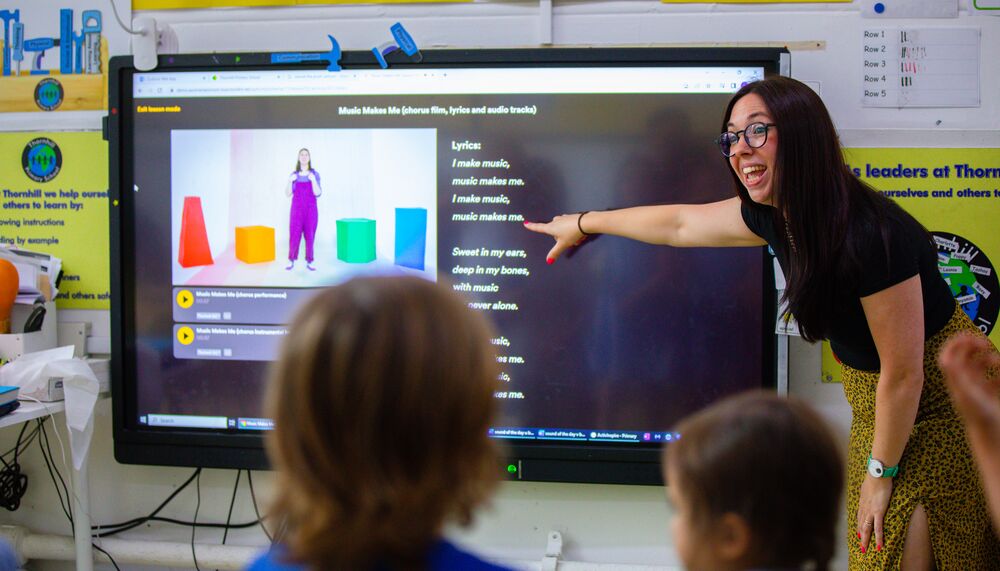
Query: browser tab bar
point(445, 81)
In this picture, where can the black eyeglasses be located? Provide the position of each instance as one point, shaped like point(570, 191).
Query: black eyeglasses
point(755, 135)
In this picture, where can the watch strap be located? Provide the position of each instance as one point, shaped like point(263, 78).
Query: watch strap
point(887, 471)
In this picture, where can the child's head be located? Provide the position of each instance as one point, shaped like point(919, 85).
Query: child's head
point(756, 481)
point(382, 400)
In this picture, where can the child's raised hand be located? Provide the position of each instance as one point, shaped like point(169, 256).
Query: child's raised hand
point(972, 371)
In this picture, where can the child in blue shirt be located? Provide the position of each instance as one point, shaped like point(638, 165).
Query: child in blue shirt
point(382, 400)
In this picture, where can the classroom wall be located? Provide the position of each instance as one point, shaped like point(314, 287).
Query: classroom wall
point(600, 524)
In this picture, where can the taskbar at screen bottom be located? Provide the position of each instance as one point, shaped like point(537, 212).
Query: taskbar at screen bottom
point(207, 422)
point(583, 435)
point(500, 433)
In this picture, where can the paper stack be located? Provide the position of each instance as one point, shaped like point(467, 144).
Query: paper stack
point(38, 274)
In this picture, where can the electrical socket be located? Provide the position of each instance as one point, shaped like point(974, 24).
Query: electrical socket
point(166, 39)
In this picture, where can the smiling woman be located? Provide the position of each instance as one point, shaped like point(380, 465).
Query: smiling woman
point(753, 161)
point(862, 273)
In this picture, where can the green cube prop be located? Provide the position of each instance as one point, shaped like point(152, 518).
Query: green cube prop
point(356, 240)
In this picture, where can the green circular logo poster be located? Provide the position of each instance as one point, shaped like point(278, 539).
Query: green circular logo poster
point(49, 94)
point(41, 159)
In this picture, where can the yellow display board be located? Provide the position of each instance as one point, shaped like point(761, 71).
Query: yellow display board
point(54, 199)
point(955, 194)
point(190, 4)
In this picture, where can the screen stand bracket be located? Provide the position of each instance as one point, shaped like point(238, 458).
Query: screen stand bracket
point(553, 550)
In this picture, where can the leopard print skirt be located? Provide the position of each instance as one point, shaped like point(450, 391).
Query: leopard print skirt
point(937, 471)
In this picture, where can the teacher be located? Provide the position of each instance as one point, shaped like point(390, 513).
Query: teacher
point(862, 273)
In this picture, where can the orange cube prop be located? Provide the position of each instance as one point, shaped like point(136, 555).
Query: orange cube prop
point(255, 244)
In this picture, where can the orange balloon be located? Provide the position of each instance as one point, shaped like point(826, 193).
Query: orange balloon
point(9, 282)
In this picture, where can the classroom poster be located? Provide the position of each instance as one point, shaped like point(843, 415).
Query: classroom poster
point(55, 55)
point(955, 194)
point(54, 189)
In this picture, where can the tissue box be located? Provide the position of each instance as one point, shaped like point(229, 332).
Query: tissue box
point(53, 389)
point(43, 375)
point(49, 392)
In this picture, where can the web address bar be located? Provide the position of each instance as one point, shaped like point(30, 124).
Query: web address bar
point(212, 91)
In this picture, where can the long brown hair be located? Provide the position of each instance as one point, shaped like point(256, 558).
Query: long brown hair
point(830, 214)
point(298, 164)
point(382, 400)
point(772, 461)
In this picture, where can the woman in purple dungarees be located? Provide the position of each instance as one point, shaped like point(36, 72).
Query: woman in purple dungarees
point(303, 187)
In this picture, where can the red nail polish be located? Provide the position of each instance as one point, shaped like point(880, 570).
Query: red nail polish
point(862, 549)
point(550, 261)
point(878, 547)
point(859, 535)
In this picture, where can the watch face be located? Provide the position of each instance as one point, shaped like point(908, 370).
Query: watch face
point(875, 468)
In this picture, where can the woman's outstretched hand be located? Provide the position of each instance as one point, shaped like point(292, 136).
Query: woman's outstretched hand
point(564, 229)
